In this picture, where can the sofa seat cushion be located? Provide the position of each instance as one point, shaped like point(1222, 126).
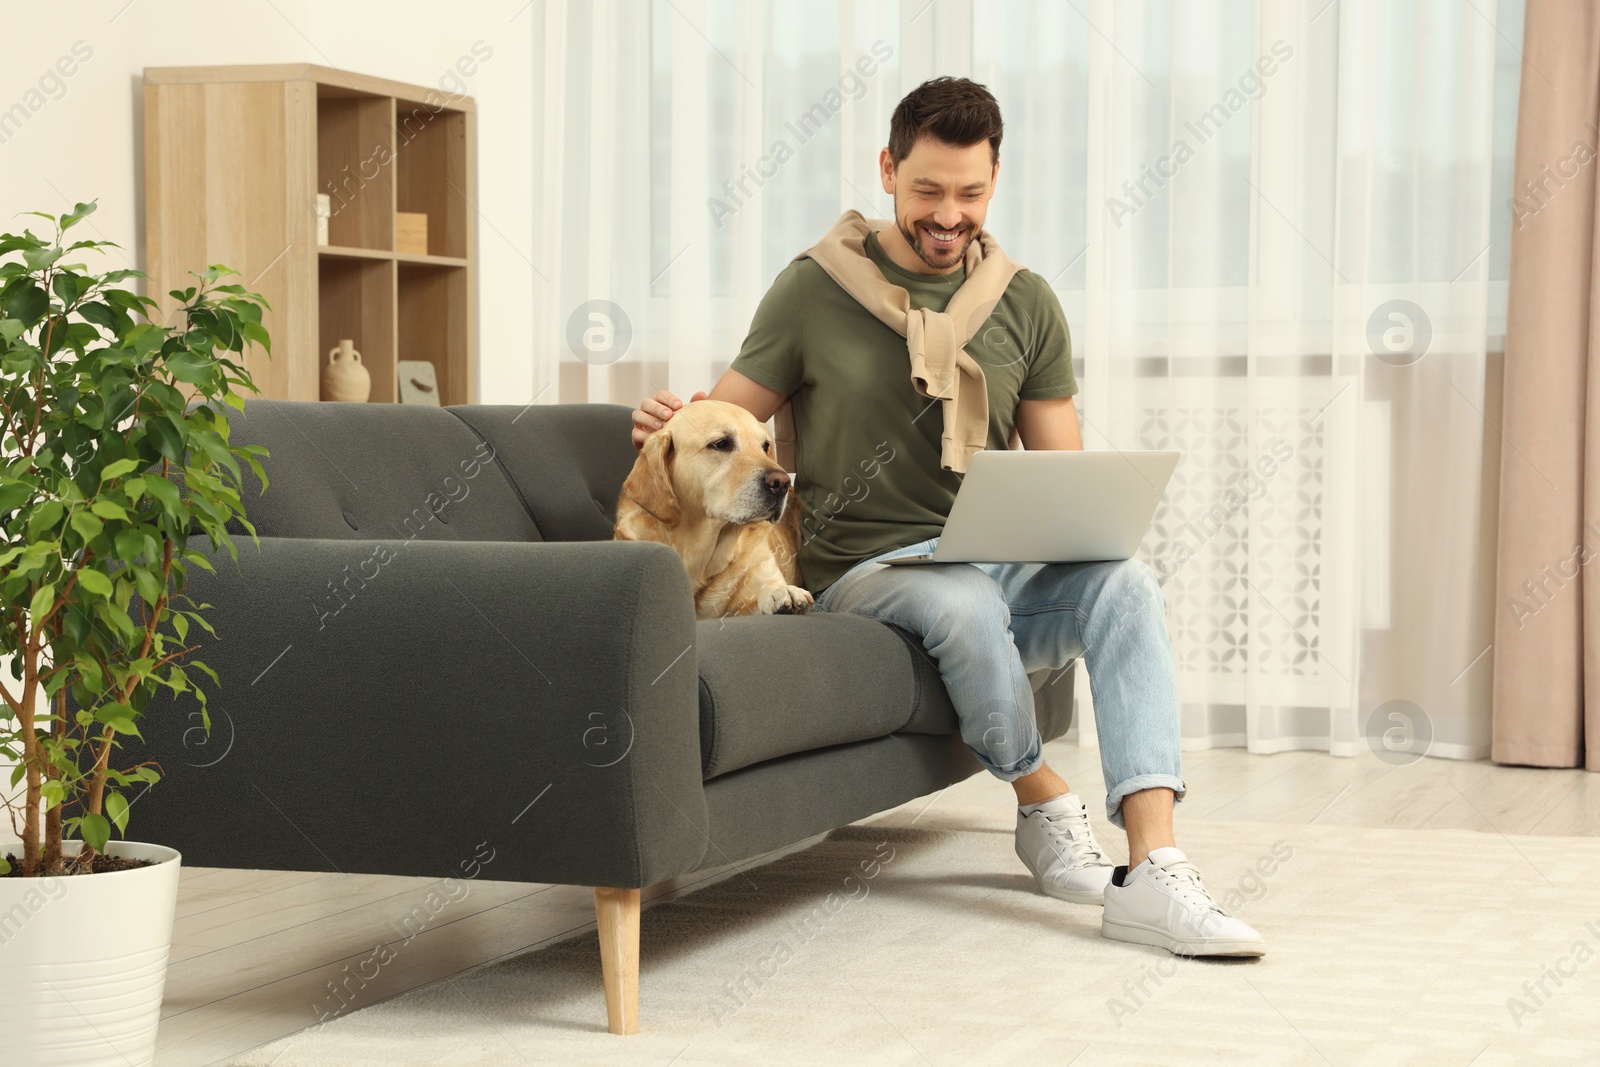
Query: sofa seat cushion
point(774, 685)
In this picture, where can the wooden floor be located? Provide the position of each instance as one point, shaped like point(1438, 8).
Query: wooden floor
point(254, 952)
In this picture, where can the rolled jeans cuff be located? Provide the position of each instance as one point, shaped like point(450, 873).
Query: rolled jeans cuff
point(1028, 764)
point(1134, 785)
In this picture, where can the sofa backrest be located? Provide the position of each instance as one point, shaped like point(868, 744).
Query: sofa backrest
point(474, 472)
point(568, 461)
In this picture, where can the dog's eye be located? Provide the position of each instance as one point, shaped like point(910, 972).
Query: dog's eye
point(766, 446)
point(721, 444)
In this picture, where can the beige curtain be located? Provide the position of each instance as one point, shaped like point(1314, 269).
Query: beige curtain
point(1547, 628)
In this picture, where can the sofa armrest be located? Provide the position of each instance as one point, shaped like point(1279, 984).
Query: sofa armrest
point(404, 707)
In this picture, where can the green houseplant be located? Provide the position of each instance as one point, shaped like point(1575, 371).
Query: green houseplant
point(91, 514)
point(104, 473)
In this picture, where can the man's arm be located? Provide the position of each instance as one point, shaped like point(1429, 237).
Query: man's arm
point(653, 412)
point(1048, 424)
point(754, 397)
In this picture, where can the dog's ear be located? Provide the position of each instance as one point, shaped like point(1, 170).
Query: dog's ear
point(649, 484)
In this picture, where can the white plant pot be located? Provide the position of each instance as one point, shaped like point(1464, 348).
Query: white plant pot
point(83, 960)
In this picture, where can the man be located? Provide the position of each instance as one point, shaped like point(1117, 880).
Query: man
point(878, 469)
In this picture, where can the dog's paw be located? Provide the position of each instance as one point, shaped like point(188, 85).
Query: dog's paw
point(786, 600)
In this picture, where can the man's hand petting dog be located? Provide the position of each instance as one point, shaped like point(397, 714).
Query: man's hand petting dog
point(653, 412)
point(706, 484)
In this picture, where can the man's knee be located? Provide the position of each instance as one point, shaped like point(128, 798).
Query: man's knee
point(1129, 586)
point(966, 592)
point(940, 599)
point(949, 602)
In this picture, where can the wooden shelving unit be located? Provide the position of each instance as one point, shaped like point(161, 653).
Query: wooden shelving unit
point(234, 160)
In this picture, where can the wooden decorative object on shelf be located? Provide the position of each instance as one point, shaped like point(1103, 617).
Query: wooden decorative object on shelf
point(244, 192)
point(411, 232)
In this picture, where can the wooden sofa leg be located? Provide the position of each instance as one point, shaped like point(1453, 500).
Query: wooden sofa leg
point(617, 912)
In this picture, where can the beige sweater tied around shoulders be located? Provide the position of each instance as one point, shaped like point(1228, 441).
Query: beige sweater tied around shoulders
point(941, 368)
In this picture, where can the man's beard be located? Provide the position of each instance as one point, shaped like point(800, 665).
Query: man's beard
point(913, 237)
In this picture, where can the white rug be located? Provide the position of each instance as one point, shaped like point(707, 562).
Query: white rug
point(1384, 947)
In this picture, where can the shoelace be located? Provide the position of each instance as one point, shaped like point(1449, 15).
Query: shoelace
point(1073, 829)
point(1184, 878)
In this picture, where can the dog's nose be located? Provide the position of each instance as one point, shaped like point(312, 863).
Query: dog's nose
point(777, 482)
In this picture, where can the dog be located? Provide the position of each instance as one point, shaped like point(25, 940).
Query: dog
point(706, 484)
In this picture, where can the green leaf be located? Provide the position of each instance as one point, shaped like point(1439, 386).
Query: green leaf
point(87, 526)
point(120, 717)
point(94, 679)
point(40, 258)
point(44, 519)
point(95, 831)
point(29, 305)
point(149, 585)
point(12, 496)
point(79, 212)
point(193, 367)
point(107, 509)
point(165, 493)
point(41, 602)
point(117, 469)
point(11, 329)
point(104, 315)
point(145, 338)
point(180, 623)
point(167, 439)
point(129, 543)
point(116, 617)
point(117, 808)
point(94, 582)
point(66, 286)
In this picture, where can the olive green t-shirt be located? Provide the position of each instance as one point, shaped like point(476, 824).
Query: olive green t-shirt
point(867, 444)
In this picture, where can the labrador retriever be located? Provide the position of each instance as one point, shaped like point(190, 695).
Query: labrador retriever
point(707, 485)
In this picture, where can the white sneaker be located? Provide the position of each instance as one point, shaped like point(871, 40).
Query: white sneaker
point(1162, 902)
point(1057, 844)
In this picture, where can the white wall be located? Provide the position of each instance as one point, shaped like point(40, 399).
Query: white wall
point(84, 137)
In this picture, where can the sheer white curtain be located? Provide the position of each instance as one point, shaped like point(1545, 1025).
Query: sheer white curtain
point(1279, 231)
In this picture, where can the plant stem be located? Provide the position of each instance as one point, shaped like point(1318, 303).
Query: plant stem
point(31, 758)
point(52, 818)
point(94, 804)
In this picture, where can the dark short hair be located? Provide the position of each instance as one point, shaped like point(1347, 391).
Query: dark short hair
point(956, 111)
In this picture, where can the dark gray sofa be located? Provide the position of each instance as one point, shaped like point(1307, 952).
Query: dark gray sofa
point(438, 644)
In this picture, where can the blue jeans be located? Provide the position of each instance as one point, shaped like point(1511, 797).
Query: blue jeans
point(988, 625)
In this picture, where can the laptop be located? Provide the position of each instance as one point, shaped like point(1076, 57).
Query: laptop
point(1054, 506)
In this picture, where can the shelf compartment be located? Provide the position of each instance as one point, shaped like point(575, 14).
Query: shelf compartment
point(431, 173)
point(355, 168)
point(356, 299)
point(435, 324)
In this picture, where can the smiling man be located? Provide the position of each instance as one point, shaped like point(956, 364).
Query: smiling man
point(877, 349)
